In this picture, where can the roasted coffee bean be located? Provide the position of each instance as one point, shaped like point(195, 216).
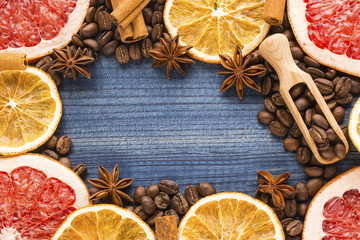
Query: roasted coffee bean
point(140, 212)
point(277, 99)
point(284, 222)
point(315, 72)
point(157, 18)
point(311, 62)
point(343, 86)
point(332, 105)
point(331, 135)
point(101, 2)
point(345, 99)
point(93, 3)
point(302, 208)
point(106, 37)
point(172, 212)
point(122, 54)
point(80, 170)
point(149, 29)
point(148, 205)
point(285, 117)
point(152, 191)
point(205, 189)
point(302, 194)
point(303, 155)
point(314, 161)
point(276, 87)
point(297, 91)
point(81, 28)
point(318, 134)
point(279, 213)
point(289, 34)
point(256, 57)
point(264, 117)
point(159, 7)
point(328, 153)
point(51, 143)
point(269, 105)
point(264, 197)
point(66, 162)
point(314, 185)
point(309, 113)
point(108, 5)
point(274, 77)
point(157, 45)
point(93, 190)
point(169, 187)
point(298, 237)
point(329, 97)
point(147, 13)
point(302, 104)
point(162, 201)
point(297, 53)
point(139, 193)
point(45, 63)
point(63, 145)
point(135, 51)
point(277, 28)
point(77, 40)
point(104, 21)
point(266, 86)
point(130, 208)
point(151, 220)
point(179, 203)
point(161, 1)
point(320, 121)
point(294, 228)
point(50, 153)
point(91, 43)
point(167, 37)
point(325, 86)
point(109, 49)
point(117, 34)
point(323, 146)
point(192, 195)
point(313, 171)
point(339, 113)
point(268, 67)
point(146, 46)
point(157, 32)
point(301, 65)
point(89, 31)
point(330, 171)
point(355, 85)
point(335, 80)
point(340, 151)
point(90, 14)
point(278, 129)
point(309, 95)
point(344, 129)
point(290, 208)
point(295, 130)
point(291, 144)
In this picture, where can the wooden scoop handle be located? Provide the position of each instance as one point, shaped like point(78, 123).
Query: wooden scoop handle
point(276, 50)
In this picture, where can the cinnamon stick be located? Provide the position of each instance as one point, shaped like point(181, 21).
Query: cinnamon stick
point(274, 11)
point(134, 14)
point(166, 228)
point(139, 28)
point(126, 34)
point(122, 9)
point(13, 61)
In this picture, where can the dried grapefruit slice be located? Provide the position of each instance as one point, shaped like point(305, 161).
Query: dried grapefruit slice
point(106, 222)
point(230, 216)
point(216, 27)
point(35, 27)
point(30, 110)
point(334, 213)
point(328, 31)
point(36, 196)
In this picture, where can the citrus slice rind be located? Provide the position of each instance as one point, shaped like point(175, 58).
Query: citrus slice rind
point(313, 225)
point(30, 110)
point(297, 17)
point(108, 221)
point(230, 216)
point(354, 125)
point(216, 27)
point(44, 47)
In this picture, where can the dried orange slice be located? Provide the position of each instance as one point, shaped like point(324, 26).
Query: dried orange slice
point(354, 125)
point(30, 110)
point(103, 221)
point(230, 216)
point(216, 27)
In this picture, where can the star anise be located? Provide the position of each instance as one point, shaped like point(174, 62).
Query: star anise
point(68, 62)
point(240, 72)
point(110, 186)
point(171, 54)
point(277, 188)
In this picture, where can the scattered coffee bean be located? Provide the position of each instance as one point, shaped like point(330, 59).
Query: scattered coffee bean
point(80, 170)
point(346, 99)
point(135, 51)
point(331, 135)
point(104, 21)
point(320, 121)
point(157, 18)
point(302, 208)
point(139, 193)
point(51, 143)
point(147, 13)
point(279, 213)
point(285, 117)
point(162, 201)
point(339, 113)
point(266, 86)
point(355, 86)
point(315, 72)
point(330, 171)
point(66, 161)
point(318, 134)
point(297, 53)
point(89, 17)
point(140, 212)
point(343, 86)
point(295, 130)
point(130, 208)
point(50, 153)
point(328, 153)
point(340, 151)
point(109, 49)
point(330, 74)
point(278, 100)
point(106, 37)
point(205, 189)
point(302, 194)
point(291, 144)
point(290, 209)
point(172, 212)
point(297, 91)
point(93, 44)
point(311, 62)
point(313, 171)
point(278, 129)
point(294, 228)
point(284, 222)
point(169, 187)
point(314, 185)
point(179, 203)
point(90, 30)
point(63, 145)
point(302, 104)
point(264, 197)
point(264, 117)
point(269, 105)
point(152, 191)
point(151, 220)
point(157, 32)
point(146, 46)
point(192, 195)
point(303, 155)
point(77, 41)
point(122, 54)
point(148, 205)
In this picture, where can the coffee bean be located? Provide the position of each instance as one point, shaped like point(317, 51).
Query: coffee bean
point(345, 99)
point(290, 208)
point(63, 145)
point(331, 135)
point(302, 104)
point(309, 113)
point(148, 205)
point(205, 189)
point(90, 14)
point(192, 195)
point(159, 7)
point(139, 193)
point(179, 203)
point(152, 191)
point(93, 44)
point(256, 57)
point(106, 37)
point(328, 153)
point(149, 29)
point(51, 143)
point(339, 113)
point(135, 51)
point(151, 220)
point(300, 65)
point(285, 117)
point(302, 209)
point(302, 194)
point(297, 91)
point(167, 37)
point(344, 129)
point(340, 151)
point(130, 208)
point(264, 197)
point(311, 62)
point(101, 2)
point(294, 228)
point(343, 86)
point(77, 41)
point(289, 34)
point(81, 28)
point(93, 3)
point(157, 32)
point(157, 45)
point(315, 72)
point(314, 185)
point(314, 161)
point(266, 86)
point(264, 117)
point(279, 213)
point(157, 18)
point(309, 95)
point(104, 21)
point(325, 86)
point(303, 155)
point(117, 34)
point(323, 146)
point(297, 53)
point(89, 31)
point(291, 144)
point(66, 162)
point(80, 170)
point(109, 49)
point(277, 99)
point(355, 86)
point(172, 212)
point(122, 54)
point(313, 171)
point(169, 187)
point(277, 28)
point(108, 5)
point(318, 134)
point(268, 67)
point(284, 222)
point(278, 129)
point(50, 153)
point(295, 130)
point(162, 201)
point(140, 212)
point(147, 12)
point(330, 171)
point(146, 46)
point(269, 105)
point(320, 121)
point(161, 1)
point(276, 87)
point(329, 97)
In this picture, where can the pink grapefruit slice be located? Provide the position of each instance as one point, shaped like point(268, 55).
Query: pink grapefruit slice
point(35, 27)
point(328, 31)
point(37, 195)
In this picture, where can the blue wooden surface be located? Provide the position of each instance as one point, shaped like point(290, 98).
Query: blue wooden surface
point(182, 129)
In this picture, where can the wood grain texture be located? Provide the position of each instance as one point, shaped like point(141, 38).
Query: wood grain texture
point(182, 129)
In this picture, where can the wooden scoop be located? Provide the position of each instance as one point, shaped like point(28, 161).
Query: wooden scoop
point(276, 50)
